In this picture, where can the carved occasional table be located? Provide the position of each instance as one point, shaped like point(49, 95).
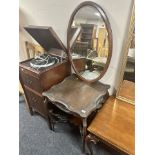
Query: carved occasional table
point(78, 98)
point(114, 125)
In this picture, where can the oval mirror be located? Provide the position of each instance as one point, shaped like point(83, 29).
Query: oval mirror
point(89, 41)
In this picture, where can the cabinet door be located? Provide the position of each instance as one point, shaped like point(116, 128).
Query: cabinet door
point(36, 102)
point(30, 81)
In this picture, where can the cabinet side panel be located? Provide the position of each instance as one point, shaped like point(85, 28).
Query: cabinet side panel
point(55, 75)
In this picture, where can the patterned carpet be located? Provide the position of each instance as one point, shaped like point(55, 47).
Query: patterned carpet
point(36, 139)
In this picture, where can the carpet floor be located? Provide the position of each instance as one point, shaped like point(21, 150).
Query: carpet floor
point(35, 138)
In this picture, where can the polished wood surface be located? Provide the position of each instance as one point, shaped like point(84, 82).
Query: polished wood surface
point(78, 98)
point(115, 124)
point(127, 90)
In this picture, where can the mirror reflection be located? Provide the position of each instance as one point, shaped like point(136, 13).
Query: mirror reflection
point(89, 43)
point(129, 73)
point(127, 89)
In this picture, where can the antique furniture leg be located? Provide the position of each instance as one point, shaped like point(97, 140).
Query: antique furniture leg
point(84, 132)
point(51, 117)
point(49, 120)
point(67, 101)
point(50, 124)
point(88, 140)
point(56, 117)
point(31, 111)
point(21, 90)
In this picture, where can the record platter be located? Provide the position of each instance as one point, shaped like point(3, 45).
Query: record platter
point(43, 61)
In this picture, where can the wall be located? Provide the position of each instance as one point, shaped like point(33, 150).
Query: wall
point(56, 13)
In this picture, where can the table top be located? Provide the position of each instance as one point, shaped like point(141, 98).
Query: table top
point(115, 124)
point(76, 96)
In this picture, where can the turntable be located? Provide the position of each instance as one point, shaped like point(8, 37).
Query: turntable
point(40, 73)
point(54, 48)
point(43, 61)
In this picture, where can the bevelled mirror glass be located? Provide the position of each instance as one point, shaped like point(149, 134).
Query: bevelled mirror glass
point(89, 41)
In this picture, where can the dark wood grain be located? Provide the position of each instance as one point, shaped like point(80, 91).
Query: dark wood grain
point(46, 37)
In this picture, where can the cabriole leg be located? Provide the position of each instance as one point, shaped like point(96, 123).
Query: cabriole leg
point(84, 132)
point(88, 143)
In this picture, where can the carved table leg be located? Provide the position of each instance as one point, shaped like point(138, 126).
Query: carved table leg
point(51, 127)
point(28, 106)
point(49, 119)
point(88, 140)
point(84, 132)
point(52, 120)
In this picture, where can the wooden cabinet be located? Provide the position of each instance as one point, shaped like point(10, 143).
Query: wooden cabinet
point(36, 101)
point(34, 82)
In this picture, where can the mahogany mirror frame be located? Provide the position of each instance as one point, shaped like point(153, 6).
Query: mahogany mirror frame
point(110, 39)
point(124, 58)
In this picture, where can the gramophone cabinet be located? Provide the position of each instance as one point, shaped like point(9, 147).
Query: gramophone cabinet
point(35, 81)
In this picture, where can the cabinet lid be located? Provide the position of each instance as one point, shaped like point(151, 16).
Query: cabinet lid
point(46, 37)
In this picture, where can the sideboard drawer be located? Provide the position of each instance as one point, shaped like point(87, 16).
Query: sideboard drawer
point(36, 102)
point(31, 81)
